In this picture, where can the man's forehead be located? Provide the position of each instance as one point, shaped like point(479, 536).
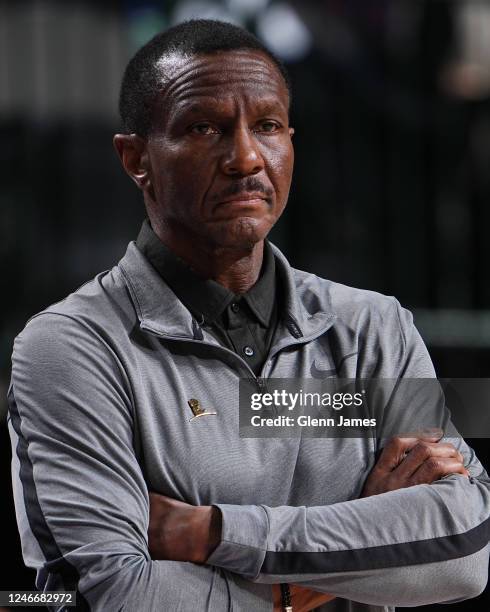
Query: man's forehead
point(189, 75)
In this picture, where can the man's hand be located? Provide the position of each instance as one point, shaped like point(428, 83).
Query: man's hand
point(180, 531)
point(408, 461)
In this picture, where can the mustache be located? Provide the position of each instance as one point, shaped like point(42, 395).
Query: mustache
point(248, 184)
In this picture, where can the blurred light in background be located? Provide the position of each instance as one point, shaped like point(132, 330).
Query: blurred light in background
point(201, 9)
point(283, 32)
point(277, 23)
point(454, 328)
point(467, 75)
point(246, 9)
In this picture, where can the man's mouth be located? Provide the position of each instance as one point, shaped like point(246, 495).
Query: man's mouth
point(245, 198)
point(242, 204)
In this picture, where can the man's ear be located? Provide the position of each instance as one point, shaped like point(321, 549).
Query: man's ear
point(133, 154)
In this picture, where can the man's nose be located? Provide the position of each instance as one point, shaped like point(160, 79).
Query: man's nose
point(242, 157)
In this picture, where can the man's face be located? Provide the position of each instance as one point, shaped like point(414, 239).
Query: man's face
point(220, 152)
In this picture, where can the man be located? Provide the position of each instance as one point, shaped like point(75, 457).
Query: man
point(109, 384)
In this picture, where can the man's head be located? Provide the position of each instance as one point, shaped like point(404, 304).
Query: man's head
point(205, 114)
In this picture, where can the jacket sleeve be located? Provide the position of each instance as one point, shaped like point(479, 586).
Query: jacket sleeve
point(80, 495)
point(414, 546)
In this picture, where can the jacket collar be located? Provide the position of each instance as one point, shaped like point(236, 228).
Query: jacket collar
point(307, 307)
point(205, 298)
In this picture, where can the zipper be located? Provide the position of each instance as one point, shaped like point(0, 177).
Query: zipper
point(303, 340)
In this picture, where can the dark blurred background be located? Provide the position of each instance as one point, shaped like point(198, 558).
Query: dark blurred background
point(392, 182)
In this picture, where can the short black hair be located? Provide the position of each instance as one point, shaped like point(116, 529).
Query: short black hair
point(142, 78)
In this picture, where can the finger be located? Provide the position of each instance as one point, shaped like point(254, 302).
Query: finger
point(423, 451)
point(436, 468)
point(446, 449)
point(396, 449)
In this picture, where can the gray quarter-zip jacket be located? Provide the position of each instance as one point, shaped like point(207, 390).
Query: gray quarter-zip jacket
point(99, 415)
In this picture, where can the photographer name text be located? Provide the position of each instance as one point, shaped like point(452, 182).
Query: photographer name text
point(309, 421)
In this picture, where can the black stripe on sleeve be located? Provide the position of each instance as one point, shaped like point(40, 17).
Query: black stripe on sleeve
point(57, 569)
point(378, 557)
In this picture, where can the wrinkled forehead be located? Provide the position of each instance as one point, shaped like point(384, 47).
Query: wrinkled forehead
point(185, 77)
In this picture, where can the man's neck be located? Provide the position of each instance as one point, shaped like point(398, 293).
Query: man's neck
point(236, 269)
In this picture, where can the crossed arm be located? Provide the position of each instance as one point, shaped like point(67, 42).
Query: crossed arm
point(183, 532)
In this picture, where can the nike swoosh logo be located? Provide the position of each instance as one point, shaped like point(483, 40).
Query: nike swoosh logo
point(317, 372)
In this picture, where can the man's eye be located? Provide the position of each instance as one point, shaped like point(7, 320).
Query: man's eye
point(205, 129)
point(267, 126)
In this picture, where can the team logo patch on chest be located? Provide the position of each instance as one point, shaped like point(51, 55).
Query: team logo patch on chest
point(198, 410)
